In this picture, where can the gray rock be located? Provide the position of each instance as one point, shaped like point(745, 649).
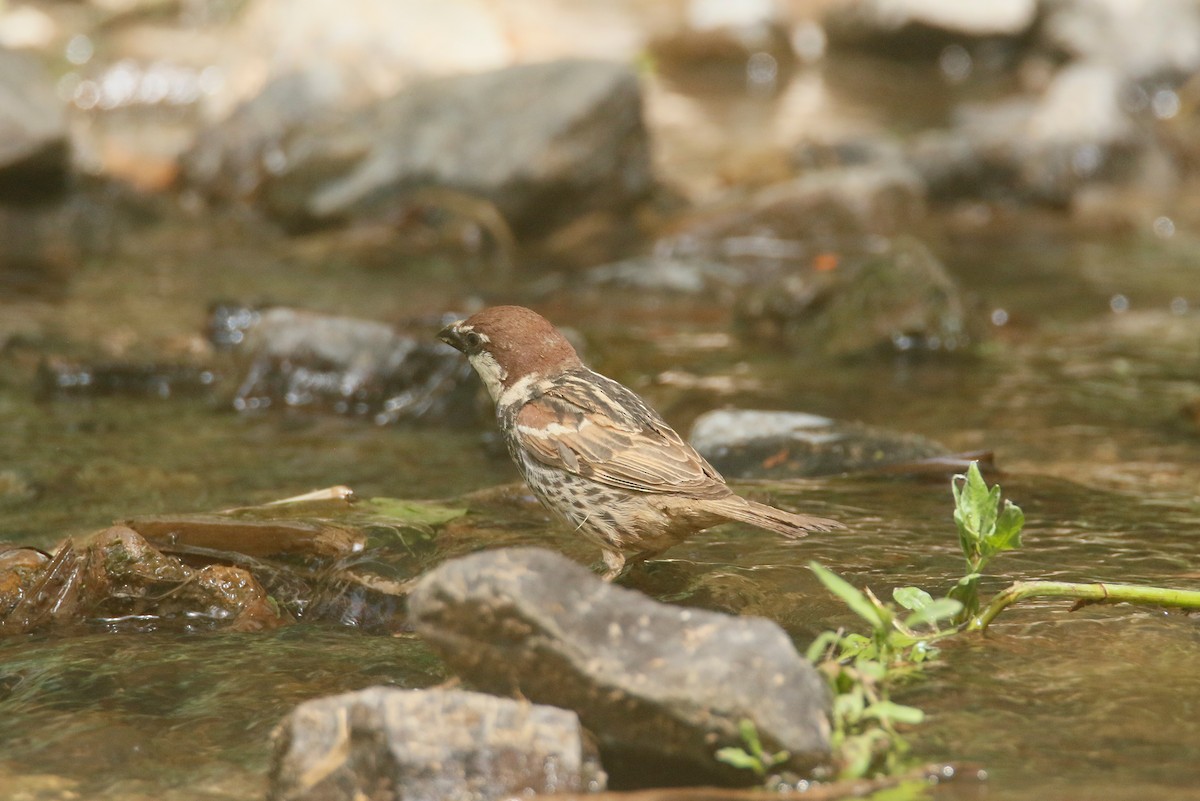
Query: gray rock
point(542, 142)
point(746, 443)
point(827, 208)
point(898, 297)
point(384, 743)
point(661, 687)
point(300, 358)
point(33, 133)
point(1138, 39)
point(1043, 149)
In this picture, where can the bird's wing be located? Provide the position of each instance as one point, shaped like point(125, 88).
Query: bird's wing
point(596, 428)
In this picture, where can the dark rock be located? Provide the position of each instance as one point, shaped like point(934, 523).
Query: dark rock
point(33, 132)
point(908, 28)
point(899, 298)
point(661, 687)
point(542, 142)
point(744, 443)
point(823, 209)
point(743, 46)
point(298, 358)
point(385, 744)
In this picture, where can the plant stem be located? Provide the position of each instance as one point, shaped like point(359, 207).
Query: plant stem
point(1093, 593)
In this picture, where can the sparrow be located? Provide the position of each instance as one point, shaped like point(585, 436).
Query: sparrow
point(593, 452)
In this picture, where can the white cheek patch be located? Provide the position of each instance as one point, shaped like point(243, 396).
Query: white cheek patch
point(517, 391)
point(490, 371)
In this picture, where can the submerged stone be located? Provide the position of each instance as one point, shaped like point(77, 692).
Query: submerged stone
point(898, 299)
point(386, 744)
point(661, 687)
point(299, 358)
point(745, 443)
point(119, 578)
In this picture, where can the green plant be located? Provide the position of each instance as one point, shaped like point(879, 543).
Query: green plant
point(985, 528)
point(751, 756)
point(862, 670)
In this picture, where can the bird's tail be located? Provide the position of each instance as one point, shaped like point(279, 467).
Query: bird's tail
point(786, 523)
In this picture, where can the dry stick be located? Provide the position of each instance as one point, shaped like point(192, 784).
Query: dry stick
point(1086, 594)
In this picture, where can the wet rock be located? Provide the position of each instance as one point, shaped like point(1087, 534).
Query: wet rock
point(33, 133)
point(899, 298)
point(745, 443)
point(542, 142)
point(118, 578)
point(739, 45)
point(388, 744)
point(1138, 39)
point(662, 688)
point(1042, 149)
point(908, 27)
point(823, 209)
point(297, 358)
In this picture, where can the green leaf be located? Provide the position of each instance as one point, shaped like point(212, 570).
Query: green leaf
point(1007, 535)
point(427, 513)
point(856, 645)
point(974, 510)
point(912, 598)
point(749, 734)
point(849, 595)
point(849, 706)
point(896, 713)
point(871, 669)
point(857, 753)
point(934, 612)
point(740, 759)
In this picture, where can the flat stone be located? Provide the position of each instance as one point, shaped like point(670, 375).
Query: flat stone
point(661, 687)
point(748, 443)
point(385, 743)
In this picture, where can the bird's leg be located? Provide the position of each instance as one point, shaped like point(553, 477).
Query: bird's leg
point(614, 561)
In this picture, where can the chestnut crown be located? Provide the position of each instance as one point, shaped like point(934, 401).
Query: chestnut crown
point(520, 340)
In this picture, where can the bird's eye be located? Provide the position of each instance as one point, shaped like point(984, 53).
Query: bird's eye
point(473, 339)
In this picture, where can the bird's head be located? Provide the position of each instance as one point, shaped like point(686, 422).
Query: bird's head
point(508, 345)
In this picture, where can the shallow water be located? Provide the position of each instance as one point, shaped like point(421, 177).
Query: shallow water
point(1079, 402)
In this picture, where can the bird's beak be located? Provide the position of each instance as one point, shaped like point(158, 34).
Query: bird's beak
point(452, 336)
